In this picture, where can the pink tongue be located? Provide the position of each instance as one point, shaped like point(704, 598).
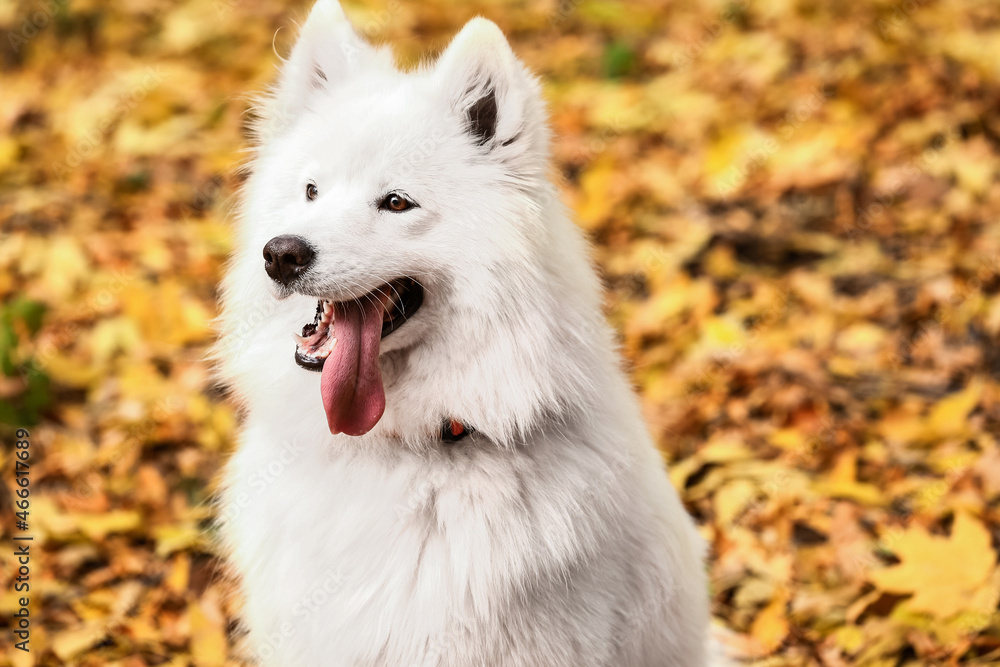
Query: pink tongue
point(352, 380)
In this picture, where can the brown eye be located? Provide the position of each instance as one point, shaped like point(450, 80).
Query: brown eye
point(311, 191)
point(396, 203)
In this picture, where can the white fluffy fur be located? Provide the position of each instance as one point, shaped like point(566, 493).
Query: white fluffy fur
point(549, 537)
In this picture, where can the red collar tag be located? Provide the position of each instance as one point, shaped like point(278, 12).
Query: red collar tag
point(453, 430)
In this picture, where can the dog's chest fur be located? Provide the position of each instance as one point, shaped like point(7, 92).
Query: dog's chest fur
point(464, 556)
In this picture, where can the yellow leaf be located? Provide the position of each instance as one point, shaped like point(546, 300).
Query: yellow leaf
point(843, 366)
point(722, 334)
point(71, 643)
point(846, 468)
point(180, 574)
point(680, 471)
point(208, 634)
point(596, 184)
point(860, 338)
point(617, 108)
point(842, 482)
point(949, 415)
point(51, 520)
point(65, 267)
point(112, 335)
point(732, 499)
point(724, 450)
point(787, 438)
point(9, 151)
point(941, 572)
point(849, 638)
point(727, 158)
point(903, 427)
point(863, 493)
point(96, 526)
point(22, 658)
point(978, 615)
point(771, 626)
point(176, 537)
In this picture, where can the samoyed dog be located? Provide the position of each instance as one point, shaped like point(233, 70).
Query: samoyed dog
point(442, 462)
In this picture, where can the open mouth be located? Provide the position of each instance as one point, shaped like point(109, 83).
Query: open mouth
point(342, 343)
point(397, 300)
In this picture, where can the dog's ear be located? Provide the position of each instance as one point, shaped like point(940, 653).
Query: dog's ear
point(486, 85)
point(327, 51)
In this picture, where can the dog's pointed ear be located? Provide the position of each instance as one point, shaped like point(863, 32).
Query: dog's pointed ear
point(327, 51)
point(486, 85)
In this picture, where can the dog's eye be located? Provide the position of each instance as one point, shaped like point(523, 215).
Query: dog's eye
point(396, 203)
point(311, 191)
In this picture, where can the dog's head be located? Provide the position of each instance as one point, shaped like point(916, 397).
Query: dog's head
point(400, 223)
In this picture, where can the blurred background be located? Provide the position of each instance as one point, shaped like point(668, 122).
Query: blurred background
point(793, 204)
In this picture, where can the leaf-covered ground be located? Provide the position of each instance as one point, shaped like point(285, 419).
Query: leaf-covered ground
point(793, 203)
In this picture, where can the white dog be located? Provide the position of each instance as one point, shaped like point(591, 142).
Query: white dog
point(442, 461)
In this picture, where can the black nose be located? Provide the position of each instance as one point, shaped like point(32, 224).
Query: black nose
point(287, 257)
